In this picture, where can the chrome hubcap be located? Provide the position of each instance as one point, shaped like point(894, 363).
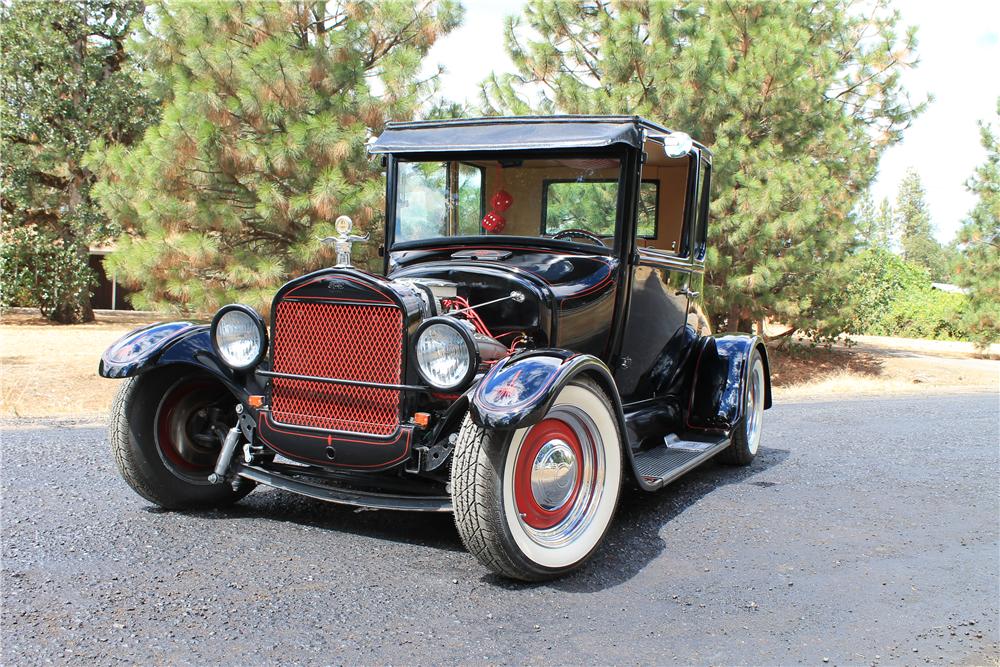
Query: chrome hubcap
point(564, 481)
point(553, 474)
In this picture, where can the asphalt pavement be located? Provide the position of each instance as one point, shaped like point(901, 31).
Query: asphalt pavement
point(866, 532)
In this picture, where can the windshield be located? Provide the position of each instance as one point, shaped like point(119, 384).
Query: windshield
point(536, 198)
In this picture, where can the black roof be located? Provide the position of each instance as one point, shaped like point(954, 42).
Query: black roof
point(515, 133)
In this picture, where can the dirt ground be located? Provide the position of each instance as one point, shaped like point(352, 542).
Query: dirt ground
point(51, 370)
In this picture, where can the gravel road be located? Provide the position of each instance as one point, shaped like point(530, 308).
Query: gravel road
point(866, 532)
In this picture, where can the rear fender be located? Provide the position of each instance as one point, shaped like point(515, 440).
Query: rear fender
point(719, 385)
point(170, 343)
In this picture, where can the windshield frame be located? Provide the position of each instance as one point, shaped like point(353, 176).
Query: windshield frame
point(621, 219)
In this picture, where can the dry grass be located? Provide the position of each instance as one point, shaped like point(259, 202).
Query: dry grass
point(49, 370)
point(801, 372)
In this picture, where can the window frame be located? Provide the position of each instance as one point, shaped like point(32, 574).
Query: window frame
point(704, 204)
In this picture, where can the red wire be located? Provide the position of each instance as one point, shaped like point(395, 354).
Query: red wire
point(472, 315)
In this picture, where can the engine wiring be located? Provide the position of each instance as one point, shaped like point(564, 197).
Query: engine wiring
point(461, 303)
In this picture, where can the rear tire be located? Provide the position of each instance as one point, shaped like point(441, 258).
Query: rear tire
point(535, 503)
point(747, 432)
point(162, 443)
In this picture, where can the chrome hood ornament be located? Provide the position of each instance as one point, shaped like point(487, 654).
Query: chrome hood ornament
point(342, 242)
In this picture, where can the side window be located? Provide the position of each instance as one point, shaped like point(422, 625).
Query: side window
point(705, 194)
point(649, 204)
point(469, 200)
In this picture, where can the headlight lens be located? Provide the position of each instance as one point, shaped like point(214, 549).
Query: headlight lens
point(443, 356)
point(238, 336)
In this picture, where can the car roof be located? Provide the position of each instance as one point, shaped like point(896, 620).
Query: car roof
point(518, 133)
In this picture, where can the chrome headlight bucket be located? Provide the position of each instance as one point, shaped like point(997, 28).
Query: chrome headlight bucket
point(446, 354)
point(239, 336)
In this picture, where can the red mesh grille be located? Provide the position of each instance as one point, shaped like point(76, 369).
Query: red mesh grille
point(337, 341)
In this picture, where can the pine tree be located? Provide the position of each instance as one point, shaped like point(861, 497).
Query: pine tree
point(66, 80)
point(886, 233)
point(797, 100)
point(262, 141)
point(979, 264)
point(874, 224)
point(914, 223)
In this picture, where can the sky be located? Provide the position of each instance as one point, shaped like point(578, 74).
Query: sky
point(959, 49)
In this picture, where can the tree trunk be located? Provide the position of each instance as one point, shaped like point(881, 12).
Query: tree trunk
point(733, 319)
point(72, 307)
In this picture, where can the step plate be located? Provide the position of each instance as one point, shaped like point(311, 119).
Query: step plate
point(664, 464)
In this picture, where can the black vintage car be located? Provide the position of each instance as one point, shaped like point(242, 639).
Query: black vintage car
point(537, 342)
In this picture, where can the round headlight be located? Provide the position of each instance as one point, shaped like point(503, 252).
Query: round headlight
point(238, 336)
point(445, 354)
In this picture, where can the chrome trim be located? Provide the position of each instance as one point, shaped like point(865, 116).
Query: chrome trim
point(342, 496)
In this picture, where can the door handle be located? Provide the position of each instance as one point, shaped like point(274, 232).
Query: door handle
point(686, 291)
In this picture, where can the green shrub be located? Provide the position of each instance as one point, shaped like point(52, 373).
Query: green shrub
point(888, 296)
point(924, 313)
point(876, 280)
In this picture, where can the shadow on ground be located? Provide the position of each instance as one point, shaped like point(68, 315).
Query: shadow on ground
point(632, 543)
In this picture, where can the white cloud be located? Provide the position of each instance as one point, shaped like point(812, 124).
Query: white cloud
point(959, 47)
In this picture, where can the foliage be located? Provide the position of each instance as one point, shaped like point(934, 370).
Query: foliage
point(268, 106)
point(924, 313)
point(888, 296)
point(797, 100)
point(41, 270)
point(65, 81)
point(875, 224)
point(978, 268)
point(878, 279)
point(913, 221)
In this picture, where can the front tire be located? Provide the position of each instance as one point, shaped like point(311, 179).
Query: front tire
point(535, 503)
point(163, 442)
point(746, 434)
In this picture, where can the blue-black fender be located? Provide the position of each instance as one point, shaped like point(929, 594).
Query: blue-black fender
point(719, 383)
point(519, 390)
point(170, 343)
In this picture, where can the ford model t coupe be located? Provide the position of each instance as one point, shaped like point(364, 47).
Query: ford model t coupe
point(536, 343)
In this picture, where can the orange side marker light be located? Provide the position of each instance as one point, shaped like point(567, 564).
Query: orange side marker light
point(255, 401)
point(422, 419)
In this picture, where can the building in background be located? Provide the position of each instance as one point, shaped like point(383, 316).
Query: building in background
point(108, 294)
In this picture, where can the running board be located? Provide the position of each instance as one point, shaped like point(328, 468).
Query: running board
point(342, 496)
point(664, 463)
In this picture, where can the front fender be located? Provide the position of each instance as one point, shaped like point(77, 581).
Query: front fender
point(168, 343)
point(720, 380)
point(519, 390)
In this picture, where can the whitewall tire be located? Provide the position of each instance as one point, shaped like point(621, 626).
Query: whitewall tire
point(536, 502)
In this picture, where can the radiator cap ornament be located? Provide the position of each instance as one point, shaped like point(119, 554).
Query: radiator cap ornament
point(342, 242)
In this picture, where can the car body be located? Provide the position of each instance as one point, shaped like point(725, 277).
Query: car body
point(536, 342)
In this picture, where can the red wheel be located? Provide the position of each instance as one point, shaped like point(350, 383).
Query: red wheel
point(185, 427)
point(547, 477)
point(164, 432)
point(535, 503)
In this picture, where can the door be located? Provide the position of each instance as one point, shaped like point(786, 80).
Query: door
point(655, 334)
